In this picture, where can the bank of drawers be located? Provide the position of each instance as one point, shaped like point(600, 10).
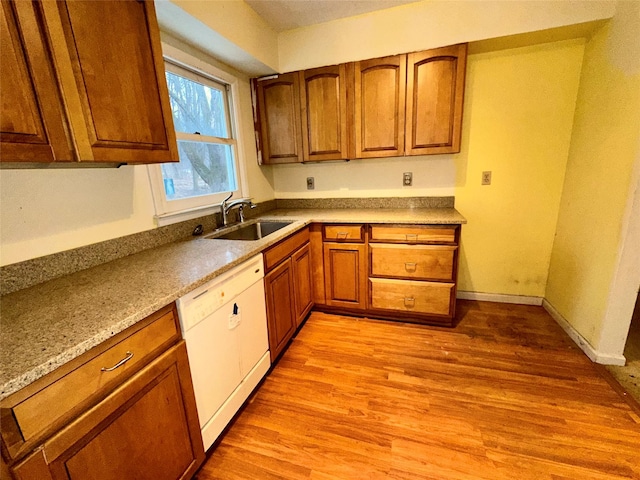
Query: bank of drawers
point(51, 401)
point(413, 269)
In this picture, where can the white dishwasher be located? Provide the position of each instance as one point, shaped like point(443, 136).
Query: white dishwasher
point(224, 325)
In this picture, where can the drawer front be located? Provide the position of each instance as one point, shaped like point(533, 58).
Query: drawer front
point(344, 233)
point(420, 262)
point(413, 234)
point(276, 254)
point(39, 411)
point(432, 298)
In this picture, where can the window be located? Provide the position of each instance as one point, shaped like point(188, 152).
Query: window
point(208, 169)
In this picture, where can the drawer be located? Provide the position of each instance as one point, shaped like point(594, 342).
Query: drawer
point(344, 233)
point(432, 298)
point(420, 262)
point(413, 234)
point(276, 254)
point(67, 391)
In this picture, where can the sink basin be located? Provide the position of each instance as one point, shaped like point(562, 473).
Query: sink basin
point(252, 231)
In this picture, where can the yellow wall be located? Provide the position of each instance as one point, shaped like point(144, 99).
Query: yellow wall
point(519, 107)
point(519, 115)
point(428, 24)
point(604, 147)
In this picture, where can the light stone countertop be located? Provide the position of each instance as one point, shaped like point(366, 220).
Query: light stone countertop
point(47, 325)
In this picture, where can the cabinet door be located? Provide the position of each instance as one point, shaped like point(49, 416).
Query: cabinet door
point(281, 317)
point(147, 428)
point(279, 117)
point(31, 123)
point(324, 113)
point(109, 61)
point(379, 107)
point(435, 94)
point(345, 271)
point(301, 263)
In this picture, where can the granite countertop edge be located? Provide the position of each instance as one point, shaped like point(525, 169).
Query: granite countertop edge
point(126, 314)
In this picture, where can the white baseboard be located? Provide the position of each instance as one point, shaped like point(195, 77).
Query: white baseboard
point(593, 354)
point(499, 297)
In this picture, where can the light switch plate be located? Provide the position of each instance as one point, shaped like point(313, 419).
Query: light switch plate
point(310, 183)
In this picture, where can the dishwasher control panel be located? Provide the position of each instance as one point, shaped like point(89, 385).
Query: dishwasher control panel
point(206, 299)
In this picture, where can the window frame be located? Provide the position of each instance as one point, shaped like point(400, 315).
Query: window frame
point(193, 68)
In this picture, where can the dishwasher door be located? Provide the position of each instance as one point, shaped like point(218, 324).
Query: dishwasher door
point(224, 347)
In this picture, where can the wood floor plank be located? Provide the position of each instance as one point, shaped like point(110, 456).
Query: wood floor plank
point(503, 395)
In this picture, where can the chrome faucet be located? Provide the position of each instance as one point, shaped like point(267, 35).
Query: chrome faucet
point(225, 208)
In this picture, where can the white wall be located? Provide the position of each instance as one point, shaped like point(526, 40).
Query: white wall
point(44, 211)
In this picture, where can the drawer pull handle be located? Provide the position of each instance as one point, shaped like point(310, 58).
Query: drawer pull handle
point(343, 234)
point(410, 266)
point(409, 302)
point(412, 236)
point(119, 364)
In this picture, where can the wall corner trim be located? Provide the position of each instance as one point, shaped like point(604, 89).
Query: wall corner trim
point(499, 298)
point(593, 354)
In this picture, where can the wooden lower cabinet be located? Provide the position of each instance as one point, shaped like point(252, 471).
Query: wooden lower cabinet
point(288, 286)
point(345, 273)
point(280, 299)
point(147, 429)
point(303, 289)
point(403, 272)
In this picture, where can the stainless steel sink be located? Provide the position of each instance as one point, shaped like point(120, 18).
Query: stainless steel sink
point(252, 231)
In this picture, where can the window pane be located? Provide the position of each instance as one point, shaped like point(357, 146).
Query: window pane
point(204, 168)
point(197, 107)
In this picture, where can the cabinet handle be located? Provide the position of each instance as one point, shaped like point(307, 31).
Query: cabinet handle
point(409, 302)
point(411, 236)
point(343, 234)
point(119, 364)
point(410, 266)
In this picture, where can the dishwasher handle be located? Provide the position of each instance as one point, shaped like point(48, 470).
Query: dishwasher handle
point(235, 317)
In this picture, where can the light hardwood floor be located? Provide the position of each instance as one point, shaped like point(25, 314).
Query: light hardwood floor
point(504, 395)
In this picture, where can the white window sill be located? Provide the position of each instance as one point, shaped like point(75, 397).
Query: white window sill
point(176, 217)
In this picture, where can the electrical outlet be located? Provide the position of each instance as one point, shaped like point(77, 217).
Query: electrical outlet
point(486, 178)
point(407, 179)
point(310, 183)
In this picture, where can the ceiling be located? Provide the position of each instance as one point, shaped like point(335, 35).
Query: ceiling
point(288, 14)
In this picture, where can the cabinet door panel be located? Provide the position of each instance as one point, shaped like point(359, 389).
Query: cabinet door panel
point(324, 109)
point(301, 261)
point(31, 123)
point(380, 107)
point(345, 275)
point(279, 112)
point(148, 428)
point(281, 316)
point(122, 88)
point(435, 89)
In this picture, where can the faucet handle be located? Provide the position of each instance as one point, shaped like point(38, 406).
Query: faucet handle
point(230, 195)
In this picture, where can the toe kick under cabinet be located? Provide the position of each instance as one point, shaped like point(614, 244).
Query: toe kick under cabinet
point(413, 271)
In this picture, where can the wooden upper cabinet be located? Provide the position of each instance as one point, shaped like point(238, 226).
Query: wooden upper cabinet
point(379, 103)
point(435, 93)
point(32, 123)
point(110, 66)
point(279, 117)
point(323, 93)
point(84, 81)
